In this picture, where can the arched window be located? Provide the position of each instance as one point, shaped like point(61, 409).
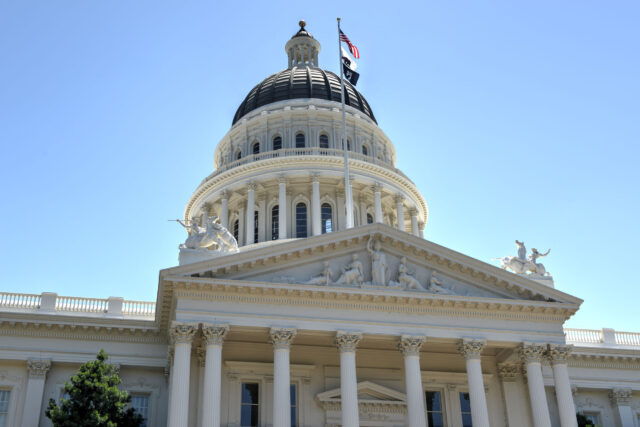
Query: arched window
point(236, 229)
point(326, 221)
point(369, 219)
point(238, 155)
point(255, 226)
point(275, 221)
point(300, 140)
point(277, 143)
point(301, 220)
point(348, 144)
point(365, 150)
point(324, 141)
point(255, 148)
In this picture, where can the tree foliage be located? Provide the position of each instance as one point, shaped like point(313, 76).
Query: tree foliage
point(92, 399)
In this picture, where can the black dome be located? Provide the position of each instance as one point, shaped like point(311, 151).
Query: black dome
point(300, 83)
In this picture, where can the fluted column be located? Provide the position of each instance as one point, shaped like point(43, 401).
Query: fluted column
point(558, 355)
point(181, 335)
point(342, 210)
point(213, 337)
point(251, 207)
point(410, 348)
point(262, 220)
point(531, 355)
point(377, 202)
point(224, 210)
point(415, 230)
point(282, 208)
point(347, 343)
point(281, 339)
point(316, 228)
point(400, 212)
point(621, 401)
point(471, 350)
point(363, 211)
point(35, 390)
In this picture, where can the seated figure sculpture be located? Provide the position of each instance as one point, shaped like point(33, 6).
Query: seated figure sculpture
point(405, 278)
point(352, 274)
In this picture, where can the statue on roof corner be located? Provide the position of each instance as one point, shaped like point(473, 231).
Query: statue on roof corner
point(211, 237)
point(523, 264)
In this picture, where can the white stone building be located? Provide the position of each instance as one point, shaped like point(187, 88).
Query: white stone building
point(313, 323)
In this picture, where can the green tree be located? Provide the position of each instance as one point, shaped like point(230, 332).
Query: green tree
point(94, 399)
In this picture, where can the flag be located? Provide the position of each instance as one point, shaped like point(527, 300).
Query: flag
point(349, 74)
point(352, 48)
point(346, 58)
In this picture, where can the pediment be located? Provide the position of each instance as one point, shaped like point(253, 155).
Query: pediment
point(367, 392)
point(428, 268)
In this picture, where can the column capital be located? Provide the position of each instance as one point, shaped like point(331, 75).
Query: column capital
point(410, 345)
point(348, 341)
point(559, 353)
point(620, 396)
point(509, 371)
point(315, 177)
point(281, 338)
point(471, 349)
point(282, 179)
point(251, 185)
point(399, 198)
point(214, 334)
point(182, 333)
point(224, 194)
point(376, 187)
point(413, 212)
point(38, 368)
point(531, 352)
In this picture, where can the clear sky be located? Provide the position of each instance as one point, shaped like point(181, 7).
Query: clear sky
point(516, 120)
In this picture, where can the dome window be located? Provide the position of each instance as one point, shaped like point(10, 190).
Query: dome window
point(255, 148)
point(324, 141)
point(369, 219)
point(365, 150)
point(301, 220)
point(236, 229)
point(255, 226)
point(326, 218)
point(238, 155)
point(275, 221)
point(300, 142)
point(277, 143)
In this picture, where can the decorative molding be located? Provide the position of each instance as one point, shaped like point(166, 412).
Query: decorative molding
point(509, 371)
point(532, 353)
point(38, 368)
point(281, 338)
point(410, 345)
point(214, 334)
point(471, 349)
point(620, 396)
point(559, 354)
point(348, 341)
point(182, 333)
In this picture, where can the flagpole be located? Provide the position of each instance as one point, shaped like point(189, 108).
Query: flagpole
point(347, 184)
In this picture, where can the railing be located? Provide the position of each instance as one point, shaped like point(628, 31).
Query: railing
point(11, 300)
point(603, 337)
point(79, 304)
point(310, 151)
point(139, 308)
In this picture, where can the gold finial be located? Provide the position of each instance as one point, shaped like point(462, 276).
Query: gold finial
point(338, 19)
point(302, 23)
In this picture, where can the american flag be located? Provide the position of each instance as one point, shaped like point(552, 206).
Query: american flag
point(352, 47)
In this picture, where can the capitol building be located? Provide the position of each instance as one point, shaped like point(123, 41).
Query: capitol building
point(300, 301)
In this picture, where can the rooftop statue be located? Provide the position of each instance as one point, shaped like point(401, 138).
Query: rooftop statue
point(523, 264)
point(212, 237)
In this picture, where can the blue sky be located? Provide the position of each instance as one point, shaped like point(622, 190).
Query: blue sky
point(516, 120)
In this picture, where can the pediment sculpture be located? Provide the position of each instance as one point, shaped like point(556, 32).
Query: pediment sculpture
point(523, 263)
point(210, 237)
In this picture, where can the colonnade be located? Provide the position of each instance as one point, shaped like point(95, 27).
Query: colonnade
point(315, 216)
point(347, 343)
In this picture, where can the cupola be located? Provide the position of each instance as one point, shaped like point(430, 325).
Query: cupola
point(302, 49)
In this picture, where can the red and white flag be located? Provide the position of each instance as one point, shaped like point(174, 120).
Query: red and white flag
point(352, 48)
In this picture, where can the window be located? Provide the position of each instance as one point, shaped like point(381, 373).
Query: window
point(434, 409)
point(255, 226)
point(365, 150)
point(275, 219)
point(348, 144)
point(236, 229)
point(277, 143)
point(301, 220)
point(140, 403)
point(465, 409)
point(238, 155)
point(294, 406)
point(300, 140)
point(255, 148)
point(250, 405)
point(325, 212)
point(369, 219)
point(4, 406)
point(324, 141)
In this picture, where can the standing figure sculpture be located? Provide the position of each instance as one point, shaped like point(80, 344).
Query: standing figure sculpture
point(352, 274)
point(522, 251)
point(379, 267)
point(405, 278)
point(534, 267)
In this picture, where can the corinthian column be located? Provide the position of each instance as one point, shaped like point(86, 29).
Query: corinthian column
point(400, 212)
point(35, 389)
point(415, 229)
point(531, 355)
point(224, 210)
point(410, 348)
point(213, 337)
point(181, 335)
point(558, 355)
point(377, 202)
point(251, 207)
point(471, 350)
point(347, 343)
point(282, 208)
point(316, 228)
point(281, 339)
